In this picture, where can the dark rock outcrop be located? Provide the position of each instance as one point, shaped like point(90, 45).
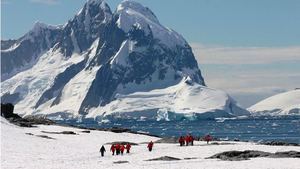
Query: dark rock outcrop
point(167, 140)
point(7, 111)
point(118, 130)
point(123, 142)
point(62, 132)
point(246, 155)
point(120, 162)
point(164, 158)
point(37, 120)
point(287, 154)
point(45, 136)
point(280, 143)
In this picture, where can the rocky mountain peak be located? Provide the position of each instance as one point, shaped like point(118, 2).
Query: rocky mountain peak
point(99, 57)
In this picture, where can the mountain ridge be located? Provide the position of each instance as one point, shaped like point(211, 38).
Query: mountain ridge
point(98, 56)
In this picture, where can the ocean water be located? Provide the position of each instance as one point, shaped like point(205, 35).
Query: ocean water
point(259, 129)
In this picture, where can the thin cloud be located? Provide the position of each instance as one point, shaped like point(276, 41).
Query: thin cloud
point(249, 74)
point(47, 2)
point(244, 55)
point(251, 87)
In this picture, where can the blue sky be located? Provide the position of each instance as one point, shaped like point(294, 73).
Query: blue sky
point(230, 22)
point(250, 49)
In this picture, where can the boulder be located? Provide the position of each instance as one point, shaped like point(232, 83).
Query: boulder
point(7, 111)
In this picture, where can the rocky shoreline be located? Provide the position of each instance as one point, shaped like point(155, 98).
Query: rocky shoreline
point(31, 121)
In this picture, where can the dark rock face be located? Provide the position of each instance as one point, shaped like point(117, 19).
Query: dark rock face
point(84, 29)
point(5, 44)
point(246, 155)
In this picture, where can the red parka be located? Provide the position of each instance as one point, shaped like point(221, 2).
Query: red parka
point(113, 148)
point(150, 145)
point(128, 146)
point(122, 148)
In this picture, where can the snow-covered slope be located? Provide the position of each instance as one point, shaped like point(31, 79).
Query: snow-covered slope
point(81, 151)
point(100, 59)
point(186, 99)
point(287, 103)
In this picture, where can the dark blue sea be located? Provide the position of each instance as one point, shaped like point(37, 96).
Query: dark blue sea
point(257, 129)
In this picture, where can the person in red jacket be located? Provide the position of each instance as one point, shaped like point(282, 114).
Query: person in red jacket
point(113, 149)
point(122, 148)
point(150, 146)
point(208, 138)
point(192, 140)
point(187, 140)
point(118, 146)
point(181, 140)
point(128, 146)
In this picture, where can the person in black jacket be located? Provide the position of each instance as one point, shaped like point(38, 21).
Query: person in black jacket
point(102, 150)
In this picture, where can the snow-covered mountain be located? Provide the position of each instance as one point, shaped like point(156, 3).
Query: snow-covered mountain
point(104, 64)
point(287, 103)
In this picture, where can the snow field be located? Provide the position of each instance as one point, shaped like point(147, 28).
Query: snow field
point(19, 150)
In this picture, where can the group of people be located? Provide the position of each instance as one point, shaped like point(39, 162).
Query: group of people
point(183, 140)
point(189, 139)
point(120, 148)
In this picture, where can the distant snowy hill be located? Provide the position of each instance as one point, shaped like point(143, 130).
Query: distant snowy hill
point(103, 64)
point(287, 103)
